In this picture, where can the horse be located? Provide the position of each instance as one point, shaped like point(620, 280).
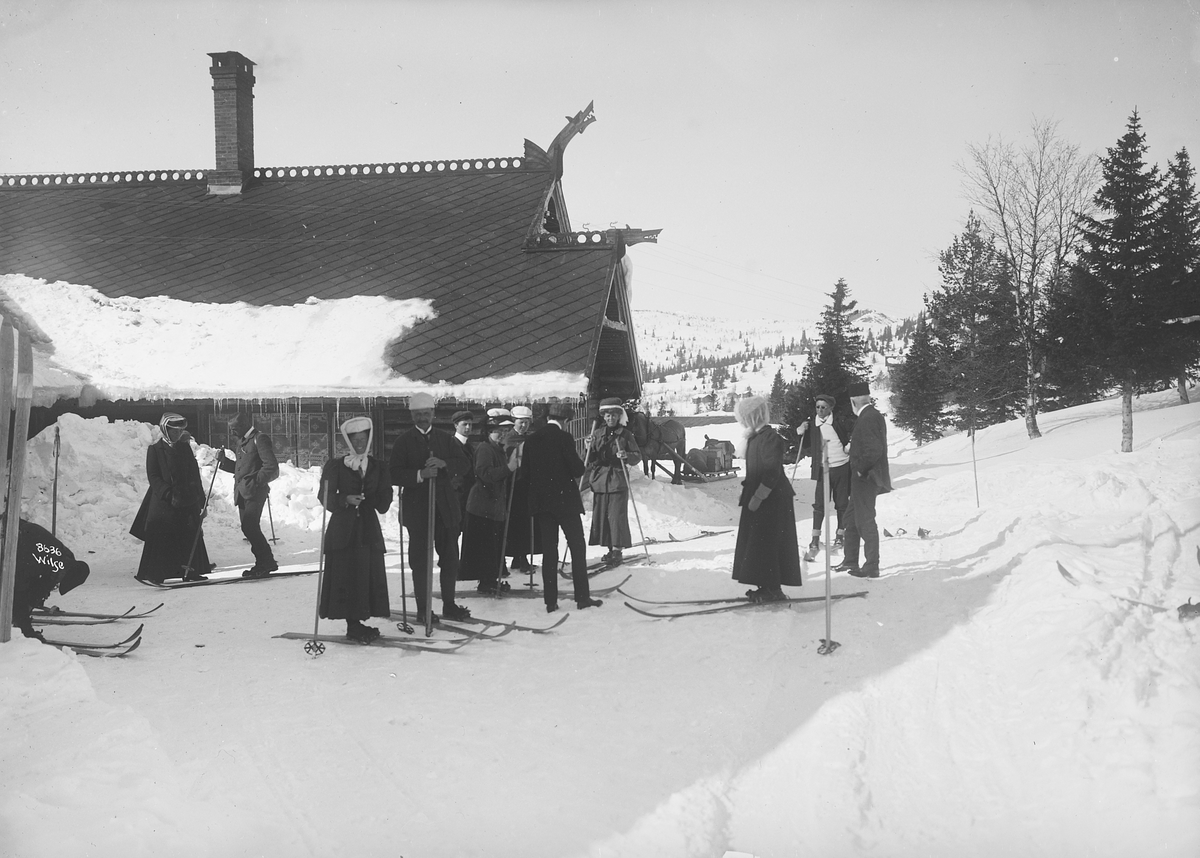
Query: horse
point(659, 439)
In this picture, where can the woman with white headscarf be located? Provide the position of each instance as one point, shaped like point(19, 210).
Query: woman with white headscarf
point(767, 553)
point(168, 521)
point(354, 489)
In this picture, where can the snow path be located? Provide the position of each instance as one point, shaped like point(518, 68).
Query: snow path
point(979, 704)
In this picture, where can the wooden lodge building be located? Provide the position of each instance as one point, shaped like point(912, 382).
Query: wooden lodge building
point(487, 240)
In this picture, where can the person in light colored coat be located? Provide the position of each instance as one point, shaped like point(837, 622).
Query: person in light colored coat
point(611, 448)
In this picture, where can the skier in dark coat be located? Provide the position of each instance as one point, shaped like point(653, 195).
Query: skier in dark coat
point(420, 454)
point(869, 478)
point(43, 563)
point(523, 537)
point(767, 553)
point(354, 489)
point(170, 517)
point(253, 472)
point(612, 447)
point(553, 469)
point(486, 507)
point(464, 423)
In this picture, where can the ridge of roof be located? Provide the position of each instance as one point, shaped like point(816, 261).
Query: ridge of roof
point(389, 169)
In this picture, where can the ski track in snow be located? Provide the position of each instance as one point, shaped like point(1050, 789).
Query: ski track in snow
point(979, 704)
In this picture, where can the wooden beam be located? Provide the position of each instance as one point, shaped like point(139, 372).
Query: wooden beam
point(12, 519)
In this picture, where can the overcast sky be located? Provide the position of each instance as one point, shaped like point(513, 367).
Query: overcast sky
point(779, 145)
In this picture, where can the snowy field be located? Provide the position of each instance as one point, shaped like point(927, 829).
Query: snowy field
point(979, 705)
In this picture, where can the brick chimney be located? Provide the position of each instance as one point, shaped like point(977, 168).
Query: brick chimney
point(233, 102)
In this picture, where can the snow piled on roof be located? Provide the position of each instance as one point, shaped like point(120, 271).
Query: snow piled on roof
point(151, 348)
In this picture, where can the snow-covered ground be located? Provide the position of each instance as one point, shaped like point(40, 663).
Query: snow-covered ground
point(979, 705)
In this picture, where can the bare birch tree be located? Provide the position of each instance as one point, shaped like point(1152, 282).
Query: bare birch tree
point(1027, 197)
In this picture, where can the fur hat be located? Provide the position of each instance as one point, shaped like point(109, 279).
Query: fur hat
point(559, 411)
point(73, 576)
point(859, 388)
point(421, 402)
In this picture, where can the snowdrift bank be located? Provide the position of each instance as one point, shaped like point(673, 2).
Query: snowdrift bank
point(979, 704)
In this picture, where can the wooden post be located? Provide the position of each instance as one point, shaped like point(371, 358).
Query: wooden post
point(12, 518)
point(7, 572)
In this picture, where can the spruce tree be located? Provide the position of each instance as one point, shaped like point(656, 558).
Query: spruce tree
point(975, 331)
point(1177, 250)
point(1116, 283)
point(776, 396)
point(840, 360)
point(918, 388)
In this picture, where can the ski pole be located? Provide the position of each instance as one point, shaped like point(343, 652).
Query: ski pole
point(271, 519)
point(512, 480)
point(187, 567)
point(828, 644)
point(633, 503)
point(54, 501)
point(429, 556)
point(799, 444)
point(315, 647)
point(403, 624)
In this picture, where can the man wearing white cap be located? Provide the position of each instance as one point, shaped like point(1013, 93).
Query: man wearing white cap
point(419, 455)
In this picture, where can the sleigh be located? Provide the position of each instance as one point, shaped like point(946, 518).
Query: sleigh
point(713, 462)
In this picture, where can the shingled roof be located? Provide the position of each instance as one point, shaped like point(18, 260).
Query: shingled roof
point(513, 291)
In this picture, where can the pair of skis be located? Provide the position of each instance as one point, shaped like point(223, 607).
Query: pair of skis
point(285, 572)
point(56, 617)
point(101, 650)
point(536, 593)
point(1186, 611)
point(671, 609)
point(602, 566)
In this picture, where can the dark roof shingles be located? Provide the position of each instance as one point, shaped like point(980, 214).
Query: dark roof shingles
point(453, 238)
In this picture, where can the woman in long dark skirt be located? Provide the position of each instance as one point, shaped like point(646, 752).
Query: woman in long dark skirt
point(767, 553)
point(486, 507)
point(169, 519)
point(354, 489)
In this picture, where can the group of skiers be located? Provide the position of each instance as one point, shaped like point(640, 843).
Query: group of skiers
point(855, 458)
point(506, 496)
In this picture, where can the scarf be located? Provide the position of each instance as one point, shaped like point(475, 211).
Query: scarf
point(358, 461)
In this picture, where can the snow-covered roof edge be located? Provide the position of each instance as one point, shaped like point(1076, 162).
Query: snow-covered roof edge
point(164, 348)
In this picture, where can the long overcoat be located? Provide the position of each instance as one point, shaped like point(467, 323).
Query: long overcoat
point(409, 455)
point(553, 468)
point(354, 586)
point(168, 520)
point(489, 494)
point(605, 472)
point(767, 553)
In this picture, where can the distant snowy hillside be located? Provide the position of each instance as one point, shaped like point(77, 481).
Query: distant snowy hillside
point(696, 363)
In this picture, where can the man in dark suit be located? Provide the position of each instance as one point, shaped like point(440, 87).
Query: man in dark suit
point(253, 472)
point(419, 455)
point(552, 468)
point(869, 477)
point(464, 425)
